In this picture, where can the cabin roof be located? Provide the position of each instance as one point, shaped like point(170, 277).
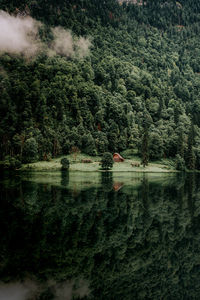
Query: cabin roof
point(117, 154)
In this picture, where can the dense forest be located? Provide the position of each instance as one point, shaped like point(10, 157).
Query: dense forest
point(136, 83)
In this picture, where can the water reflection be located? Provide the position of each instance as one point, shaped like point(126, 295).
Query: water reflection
point(64, 178)
point(100, 236)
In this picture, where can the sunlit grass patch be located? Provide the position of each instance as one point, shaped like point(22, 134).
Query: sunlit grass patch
point(77, 164)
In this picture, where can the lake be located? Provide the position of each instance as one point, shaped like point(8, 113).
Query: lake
point(99, 236)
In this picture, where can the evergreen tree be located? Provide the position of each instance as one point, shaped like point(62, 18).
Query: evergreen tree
point(190, 155)
point(145, 139)
point(145, 148)
point(30, 151)
point(180, 144)
point(107, 161)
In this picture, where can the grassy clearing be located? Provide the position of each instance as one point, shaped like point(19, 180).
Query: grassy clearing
point(152, 167)
point(76, 164)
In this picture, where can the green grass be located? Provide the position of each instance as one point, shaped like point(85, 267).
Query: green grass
point(76, 164)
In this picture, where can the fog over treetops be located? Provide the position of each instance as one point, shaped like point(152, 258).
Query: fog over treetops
point(20, 35)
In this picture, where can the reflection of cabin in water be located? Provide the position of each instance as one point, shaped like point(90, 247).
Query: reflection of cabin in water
point(117, 157)
point(117, 186)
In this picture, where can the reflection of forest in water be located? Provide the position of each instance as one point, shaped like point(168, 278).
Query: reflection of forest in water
point(138, 241)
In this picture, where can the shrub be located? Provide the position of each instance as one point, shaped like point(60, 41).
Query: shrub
point(12, 163)
point(65, 163)
point(128, 153)
point(15, 163)
point(107, 161)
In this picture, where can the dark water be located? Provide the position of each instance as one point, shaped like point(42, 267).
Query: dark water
point(99, 236)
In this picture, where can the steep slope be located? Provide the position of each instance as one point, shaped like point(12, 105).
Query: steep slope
point(141, 73)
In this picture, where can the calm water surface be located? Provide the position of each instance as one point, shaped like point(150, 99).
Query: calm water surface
point(99, 236)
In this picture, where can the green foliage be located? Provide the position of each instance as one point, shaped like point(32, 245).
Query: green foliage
point(155, 146)
point(65, 163)
point(30, 150)
point(12, 163)
point(128, 154)
point(88, 145)
point(197, 157)
point(180, 163)
point(145, 148)
point(190, 155)
point(107, 161)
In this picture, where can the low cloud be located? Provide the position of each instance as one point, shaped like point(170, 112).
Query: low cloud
point(17, 291)
point(20, 36)
point(28, 289)
point(83, 46)
point(65, 44)
point(67, 290)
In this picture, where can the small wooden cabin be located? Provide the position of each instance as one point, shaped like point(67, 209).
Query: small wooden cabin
point(117, 157)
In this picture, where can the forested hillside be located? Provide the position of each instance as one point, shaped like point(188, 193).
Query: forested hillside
point(139, 79)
